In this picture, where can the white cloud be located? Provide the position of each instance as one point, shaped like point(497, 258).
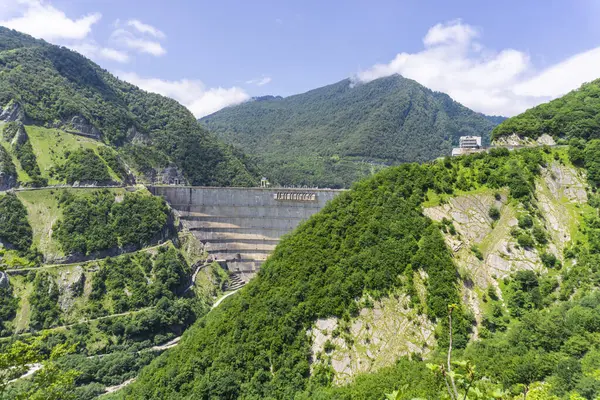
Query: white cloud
point(40, 19)
point(138, 38)
point(145, 28)
point(191, 93)
point(259, 81)
point(503, 82)
point(93, 50)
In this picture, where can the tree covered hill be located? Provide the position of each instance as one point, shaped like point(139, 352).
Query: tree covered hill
point(536, 330)
point(333, 135)
point(43, 84)
point(574, 115)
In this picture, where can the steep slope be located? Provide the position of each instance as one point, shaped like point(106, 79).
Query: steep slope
point(101, 269)
point(333, 135)
point(574, 115)
point(43, 84)
point(369, 279)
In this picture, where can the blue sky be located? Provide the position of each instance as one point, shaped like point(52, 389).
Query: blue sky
point(495, 57)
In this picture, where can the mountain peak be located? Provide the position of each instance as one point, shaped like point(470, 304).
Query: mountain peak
point(333, 135)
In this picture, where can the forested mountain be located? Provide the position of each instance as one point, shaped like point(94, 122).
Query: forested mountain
point(52, 86)
point(333, 135)
point(574, 115)
point(501, 247)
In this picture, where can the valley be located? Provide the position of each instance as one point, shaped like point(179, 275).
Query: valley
point(324, 245)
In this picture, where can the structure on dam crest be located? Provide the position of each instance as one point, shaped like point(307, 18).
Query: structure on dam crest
point(240, 227)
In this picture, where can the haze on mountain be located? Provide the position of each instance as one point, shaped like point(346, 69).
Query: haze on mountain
point(334, 135)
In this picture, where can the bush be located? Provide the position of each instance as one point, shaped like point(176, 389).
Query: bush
point(525, 221)
point(548, 259)
point(525, 240)
point(540, 235)
point(494, 213)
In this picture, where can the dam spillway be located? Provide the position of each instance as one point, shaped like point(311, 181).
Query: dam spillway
point(240, 227)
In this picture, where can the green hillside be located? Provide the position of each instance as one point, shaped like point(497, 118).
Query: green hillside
point(54, 87)
point(332, 136)
point(104, 271)
point(374, 245)
point(575, 115)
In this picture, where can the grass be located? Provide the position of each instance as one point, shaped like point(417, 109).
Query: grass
point(51, 147)
point(43, 210)
point(23, 290)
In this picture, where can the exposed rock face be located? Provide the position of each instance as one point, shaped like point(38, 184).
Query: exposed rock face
point(4, 282)
point(70, 283)
point(558, 192)
point(379, 335)
point(81, 126)
point(12, 112)
point(172, 176)
point(20, 137)
point(560, 195)
point(474, 227)
point(137, 137)
point(517, 141)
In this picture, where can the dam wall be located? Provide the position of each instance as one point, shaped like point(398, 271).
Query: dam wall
point(240, 227)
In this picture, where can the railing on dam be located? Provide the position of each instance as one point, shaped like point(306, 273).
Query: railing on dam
point(240, 227)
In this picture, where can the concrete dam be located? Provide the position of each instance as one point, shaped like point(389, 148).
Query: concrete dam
point(240, 227)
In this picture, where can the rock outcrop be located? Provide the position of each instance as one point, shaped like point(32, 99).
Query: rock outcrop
point(172, 176)
point(515, 140)
point(12, 112)
point(19, 137)
point(70, 283)
point(79, 125)
point(4, 281)
point(388, 329)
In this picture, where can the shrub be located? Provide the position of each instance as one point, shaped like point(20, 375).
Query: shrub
point(540, 235)
point(525, 221)
point(548, 259)
point(525, 240)
point(494, 213)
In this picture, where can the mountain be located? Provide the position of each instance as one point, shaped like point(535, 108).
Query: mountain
point(575, 115)
point(358, 302)
point(334, 135)
point(52, 87)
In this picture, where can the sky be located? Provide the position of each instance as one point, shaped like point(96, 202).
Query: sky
point(499, 58)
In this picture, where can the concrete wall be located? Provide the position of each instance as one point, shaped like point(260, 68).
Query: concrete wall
point(240, 227)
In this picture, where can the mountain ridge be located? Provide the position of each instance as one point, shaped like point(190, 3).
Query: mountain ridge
point(52, 86)
point(337, 130)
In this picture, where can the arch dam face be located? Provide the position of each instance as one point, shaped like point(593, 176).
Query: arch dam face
point(240, 227)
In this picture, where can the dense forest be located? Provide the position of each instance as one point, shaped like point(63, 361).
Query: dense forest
point(334, 135)
point(97, 221)
point(55, 86)
point(574, 115)
point(370, 241)
point(135, 304)
point(15, 230)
